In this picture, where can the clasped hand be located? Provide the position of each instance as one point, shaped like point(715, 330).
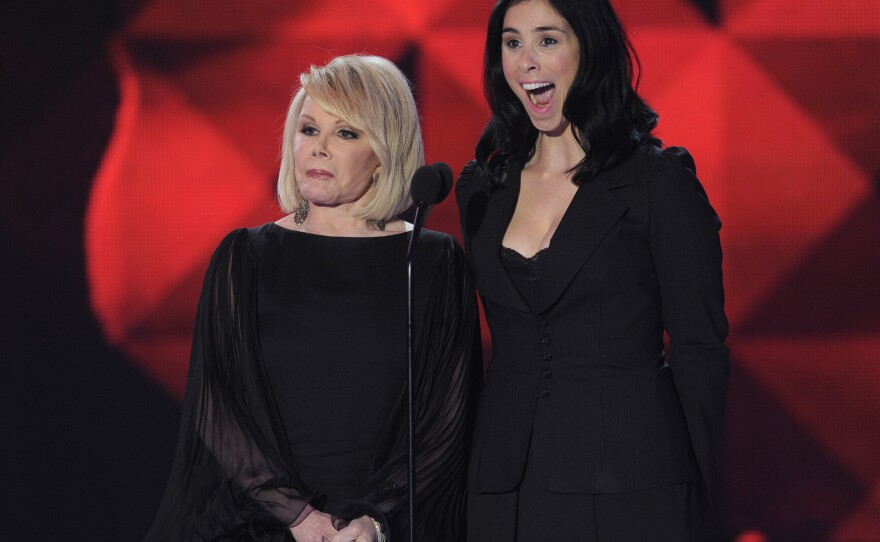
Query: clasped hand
point(318, 527)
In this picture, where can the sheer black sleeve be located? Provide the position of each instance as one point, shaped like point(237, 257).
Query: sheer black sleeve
point(230, 479)
point(446, 375)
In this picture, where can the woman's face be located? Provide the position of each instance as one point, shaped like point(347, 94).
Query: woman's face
point(540, 56)
point(334, 161)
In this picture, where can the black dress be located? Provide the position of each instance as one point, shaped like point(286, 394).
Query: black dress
point(295, 394)
point(341, 286)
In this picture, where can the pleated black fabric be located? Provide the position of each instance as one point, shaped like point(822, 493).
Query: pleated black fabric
point(235, 476)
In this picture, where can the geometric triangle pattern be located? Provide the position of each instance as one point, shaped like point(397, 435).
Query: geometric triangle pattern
point(776, 99)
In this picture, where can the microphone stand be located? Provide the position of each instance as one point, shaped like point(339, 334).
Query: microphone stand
point(418, 222)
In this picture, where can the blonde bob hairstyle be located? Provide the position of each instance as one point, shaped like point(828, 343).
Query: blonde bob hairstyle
point(373, 96)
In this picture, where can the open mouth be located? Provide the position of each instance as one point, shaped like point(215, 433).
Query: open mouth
point(539, 93)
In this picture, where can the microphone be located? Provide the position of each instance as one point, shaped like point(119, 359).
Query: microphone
point(445, 179)
point(431, 184)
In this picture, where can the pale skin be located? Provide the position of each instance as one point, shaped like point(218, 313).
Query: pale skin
point(539, 47)
point(317, 527)
point(334, 166)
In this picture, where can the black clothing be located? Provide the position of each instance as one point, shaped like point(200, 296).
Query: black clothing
point(526, 274)
point(583, 376)
point(333, 447)
point(236, 475)
point(532, 513)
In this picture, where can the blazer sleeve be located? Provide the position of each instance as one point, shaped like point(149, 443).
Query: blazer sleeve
point(687, 253)
point(471, 201)
point(230, 479)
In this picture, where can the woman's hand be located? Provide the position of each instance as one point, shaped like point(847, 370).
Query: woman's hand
point(317, 527)
point(359, 530)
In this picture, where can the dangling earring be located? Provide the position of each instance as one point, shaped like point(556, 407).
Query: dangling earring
point(302, 212)
point(380, 224)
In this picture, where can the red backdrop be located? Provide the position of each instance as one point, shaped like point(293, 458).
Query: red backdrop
point(777, 101)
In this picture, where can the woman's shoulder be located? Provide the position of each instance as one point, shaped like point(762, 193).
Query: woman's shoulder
point(234, 249)
point(246, 234)
point(248, 237)
point(671, 180)
point(232, 240)
point(440, 258)
point(263, 230)
point(466, 182)
point(471, 180)
point(653, 159)
point(241, 241)
point(467, 172)
point(666, 169)
point(438, 249)
point(476, 189)
point(438, 242)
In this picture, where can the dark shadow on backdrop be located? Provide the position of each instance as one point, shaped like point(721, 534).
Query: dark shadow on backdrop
point(86, 438)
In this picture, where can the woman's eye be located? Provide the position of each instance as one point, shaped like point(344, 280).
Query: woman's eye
point(308, 130)
point(549, 41)
point(348, 134)
point(512, 43)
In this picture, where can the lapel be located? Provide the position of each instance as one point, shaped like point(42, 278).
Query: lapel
point(589, 217)
point(486, 244)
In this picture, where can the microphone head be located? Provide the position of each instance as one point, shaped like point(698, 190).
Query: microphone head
point(427, 185)
point(445, 173)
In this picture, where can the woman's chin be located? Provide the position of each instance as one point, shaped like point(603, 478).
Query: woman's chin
point(552, 126)
point(546, 119)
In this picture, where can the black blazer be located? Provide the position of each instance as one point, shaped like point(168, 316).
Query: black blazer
point(586, 379)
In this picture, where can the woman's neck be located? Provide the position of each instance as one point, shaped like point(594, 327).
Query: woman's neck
point(340, 221)
point(555, 154)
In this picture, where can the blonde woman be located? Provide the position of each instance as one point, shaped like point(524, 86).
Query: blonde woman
point(294, 418)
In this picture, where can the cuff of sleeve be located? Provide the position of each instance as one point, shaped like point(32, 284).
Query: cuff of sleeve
point(348, 510)
point(303, 515)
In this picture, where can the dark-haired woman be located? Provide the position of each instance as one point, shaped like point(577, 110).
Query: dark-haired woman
point(588, 242)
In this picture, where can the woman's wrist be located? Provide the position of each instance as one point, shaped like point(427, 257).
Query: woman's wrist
point(303, 515)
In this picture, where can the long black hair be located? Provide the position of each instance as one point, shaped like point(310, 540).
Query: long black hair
point(609, 117)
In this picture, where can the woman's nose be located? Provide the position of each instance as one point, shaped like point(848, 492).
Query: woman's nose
point(320, 148)
point(528, 60)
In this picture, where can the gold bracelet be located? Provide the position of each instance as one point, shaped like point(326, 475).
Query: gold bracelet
point(380, 536)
